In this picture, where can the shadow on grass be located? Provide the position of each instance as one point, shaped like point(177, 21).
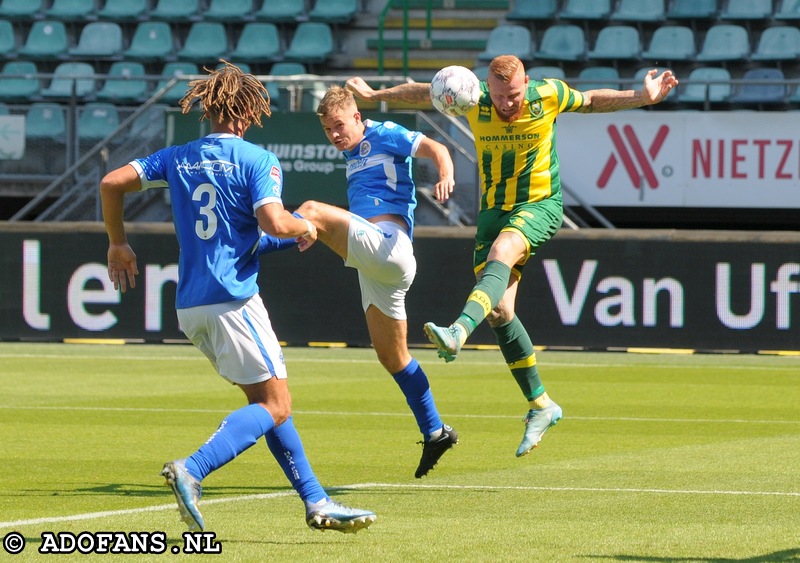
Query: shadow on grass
point(783, 555)
point(155, 490)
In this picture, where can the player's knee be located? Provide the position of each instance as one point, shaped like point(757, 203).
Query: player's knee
point(499, 316)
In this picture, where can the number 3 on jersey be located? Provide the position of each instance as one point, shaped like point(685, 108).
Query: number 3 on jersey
point(206, 229)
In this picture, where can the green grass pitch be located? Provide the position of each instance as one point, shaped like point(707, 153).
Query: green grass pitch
point(658, 458)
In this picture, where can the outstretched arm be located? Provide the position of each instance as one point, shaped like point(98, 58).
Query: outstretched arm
point(438, 153)
point(277, 222)
point(411, 92)
point(122, 268)
point(654, 90)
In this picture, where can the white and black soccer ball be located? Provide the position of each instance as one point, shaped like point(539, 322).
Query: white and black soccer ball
point(455, 90)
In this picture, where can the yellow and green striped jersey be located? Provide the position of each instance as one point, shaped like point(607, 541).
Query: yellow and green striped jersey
point(517, 161)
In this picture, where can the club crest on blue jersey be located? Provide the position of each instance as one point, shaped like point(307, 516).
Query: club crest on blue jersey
point(364, 148)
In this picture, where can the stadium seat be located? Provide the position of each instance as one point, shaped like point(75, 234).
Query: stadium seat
point(46, 40)
point(281, 11)
point(693, 10)
point(617, 43)
point(99, 40)
point(703, 84)
point(126, 85)
point(22, 88)
point(96, 121)
point(277, 92)
point(123, 10)
point(508, 39)
point(20, 9)
point(725, 42)
point(541, 72)
point(771, 91)
point(258, 42)
point(583, 10)
point(671, 43)
point(206, 42)
point(481, 71)
point(333, 11)
point(45, 120)
point(311, 43)
point(639, 11)
point(532, 10)
point(81, 74)
point(152, 41)
point(788, 10)
point(8, 45)
point(4, 109)
point(71, 10)
point(746, 10)
point(778, 43)
point(598, 77)
point(178, 90)
point(229, 10)
point(177, 11)
point(562, 42)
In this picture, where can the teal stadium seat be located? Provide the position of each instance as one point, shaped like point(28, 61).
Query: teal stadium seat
point(96, 121)
point(229, 10)
point(617, 43)
point(45, 120)
point(542, 72)
point(278, 94)
point(532, 11)
point(598, 77)
point(178, 11)
point(671, 43)
point(282, 11)
point(508, 39)
point(46, 40)
point(8, 44)
point(127, 83)
point(333, 11)
point(170, 70)
point(258, 42)
point(693, 10)
point(703, 84)
point(67, 74)
point(778, 43)
point(311, 43)
point(18, 82)
point(21, 9)
point(725, 42)
point(789, 10)
point(123, 10)
point(585, 10)
point(772, 90)
point(639, 11)
point(71, 10)
point(152, 41)
point(746, 10)
point(562, 42)
point(206, 43)
point(99, 40)
point(4, 109)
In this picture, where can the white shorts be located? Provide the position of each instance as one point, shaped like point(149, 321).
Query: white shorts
point(384, 257)
point(237, 338)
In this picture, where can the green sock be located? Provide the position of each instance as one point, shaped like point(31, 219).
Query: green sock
point(517, 349)
point(485, 295)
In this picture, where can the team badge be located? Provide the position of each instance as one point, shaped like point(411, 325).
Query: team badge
point(536, 109)
point(364, 149)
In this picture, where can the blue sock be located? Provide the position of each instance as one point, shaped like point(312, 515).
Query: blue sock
point(285, 445)
point(240, 430)
point(414, 384)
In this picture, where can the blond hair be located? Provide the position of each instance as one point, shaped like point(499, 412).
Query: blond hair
point(505, 67)
point(228, 94)
point(334, 99)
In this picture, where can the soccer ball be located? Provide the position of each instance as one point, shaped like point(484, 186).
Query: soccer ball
point(455, 90)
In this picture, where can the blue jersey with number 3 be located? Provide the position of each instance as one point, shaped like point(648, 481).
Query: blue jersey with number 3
point(215, 183)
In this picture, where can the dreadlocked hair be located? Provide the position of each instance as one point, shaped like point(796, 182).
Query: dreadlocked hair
point(228, 94)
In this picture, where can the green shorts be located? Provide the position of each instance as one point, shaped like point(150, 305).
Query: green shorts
point(537, 223)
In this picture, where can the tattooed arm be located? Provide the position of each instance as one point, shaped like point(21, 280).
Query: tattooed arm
point(412, 92)
point(654, 90)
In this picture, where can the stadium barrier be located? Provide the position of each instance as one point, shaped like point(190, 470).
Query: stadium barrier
point(592, 289)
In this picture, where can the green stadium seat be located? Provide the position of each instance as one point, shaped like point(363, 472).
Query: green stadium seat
point(508, 39)
point(671, 43)
point(639, 11)
point(206, 43)
point(96, 121)
point(562, 42)
point(539, 72)
point(778, 43)
point(20, 9)
point(706, 83)
point(333, 11)
point(46, 40)
point(617, 43)
point(127, 83)
point(788, 10)
point(746, 10)
point(8, 44)
point(532, 10)
point(725, 42)
point(772, 90)
point(152, 41)
point(597, 77)
point(258, 42)
point(99, 40)
point(282, 11)
point(585, 10)
point(311, 43)
point(71, 10)
point(229, 10)
point(45, 120)
point(171, 70)
point(23, 88)
point(67, 74)
point(693, 10)
point(178, 11)
point(123, 10)
point(278, 94)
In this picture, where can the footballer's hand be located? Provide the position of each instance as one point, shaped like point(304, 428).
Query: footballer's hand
point(122, 269)
point(360, 88)
point(443, 188)
point(304, 242)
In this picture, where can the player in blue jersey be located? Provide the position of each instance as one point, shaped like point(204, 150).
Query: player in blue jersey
point(223, 191)
point(375, 238)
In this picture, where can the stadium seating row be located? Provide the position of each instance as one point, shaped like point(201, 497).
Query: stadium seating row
point(311, 42)
point(329, 11)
